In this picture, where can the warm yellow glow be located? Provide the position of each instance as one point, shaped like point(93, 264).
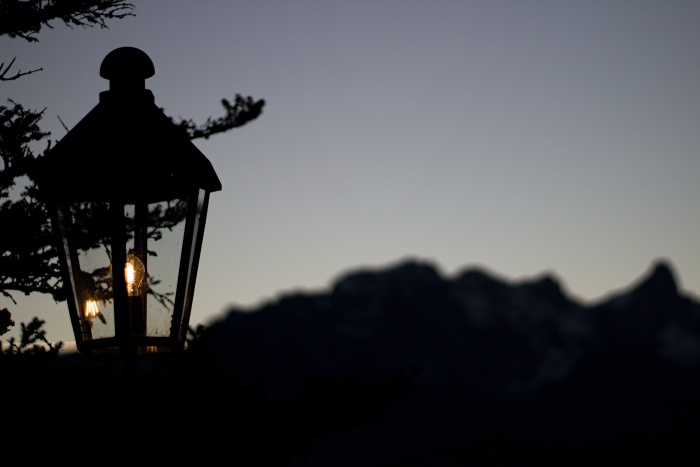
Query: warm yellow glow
point(134, 273)
point(91, 310)
point(129, 275)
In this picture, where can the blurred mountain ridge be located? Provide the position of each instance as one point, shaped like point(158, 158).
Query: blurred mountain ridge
point(519, 359)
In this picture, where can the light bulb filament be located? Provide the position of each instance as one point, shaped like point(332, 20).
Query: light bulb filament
point(91, 310)
point(129, 273)
point(134, 273)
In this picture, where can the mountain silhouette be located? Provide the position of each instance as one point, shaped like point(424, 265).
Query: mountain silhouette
point(507, 371)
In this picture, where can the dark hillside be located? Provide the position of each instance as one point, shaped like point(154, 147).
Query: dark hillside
point(507, 370)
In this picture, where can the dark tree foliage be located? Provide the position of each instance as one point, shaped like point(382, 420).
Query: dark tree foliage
point(242, 111)
point(19, 128)
point(5, 321)
point(27, 260)
point(25, 18)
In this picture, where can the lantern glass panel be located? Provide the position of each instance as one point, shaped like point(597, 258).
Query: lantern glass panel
point(153, 235)
point(164, 232)
point(85, 228)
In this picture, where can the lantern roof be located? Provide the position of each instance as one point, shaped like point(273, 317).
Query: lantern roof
point(125, 148)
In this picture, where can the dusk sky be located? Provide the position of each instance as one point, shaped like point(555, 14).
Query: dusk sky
point(525, 137)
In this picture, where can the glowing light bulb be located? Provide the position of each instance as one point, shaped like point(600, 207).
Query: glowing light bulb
point(134, 273)
point(91, 310)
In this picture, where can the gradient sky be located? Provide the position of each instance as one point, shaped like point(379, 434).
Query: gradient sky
point(526, 137)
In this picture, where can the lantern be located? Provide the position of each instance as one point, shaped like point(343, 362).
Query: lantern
point(128, 194)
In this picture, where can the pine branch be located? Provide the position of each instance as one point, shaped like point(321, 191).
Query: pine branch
point(25, 18)
point(19, 128)
point(242, 111)
point(5, 321)
point(5, 69)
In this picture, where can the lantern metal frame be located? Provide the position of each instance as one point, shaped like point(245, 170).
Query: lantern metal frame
point(122, 157)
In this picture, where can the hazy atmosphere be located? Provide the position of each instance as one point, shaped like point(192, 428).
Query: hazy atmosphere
point(524, 137)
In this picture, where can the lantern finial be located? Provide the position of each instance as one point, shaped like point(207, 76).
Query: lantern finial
point(127, 68)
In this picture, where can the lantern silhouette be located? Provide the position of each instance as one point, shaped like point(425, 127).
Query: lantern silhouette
point(128, 194)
